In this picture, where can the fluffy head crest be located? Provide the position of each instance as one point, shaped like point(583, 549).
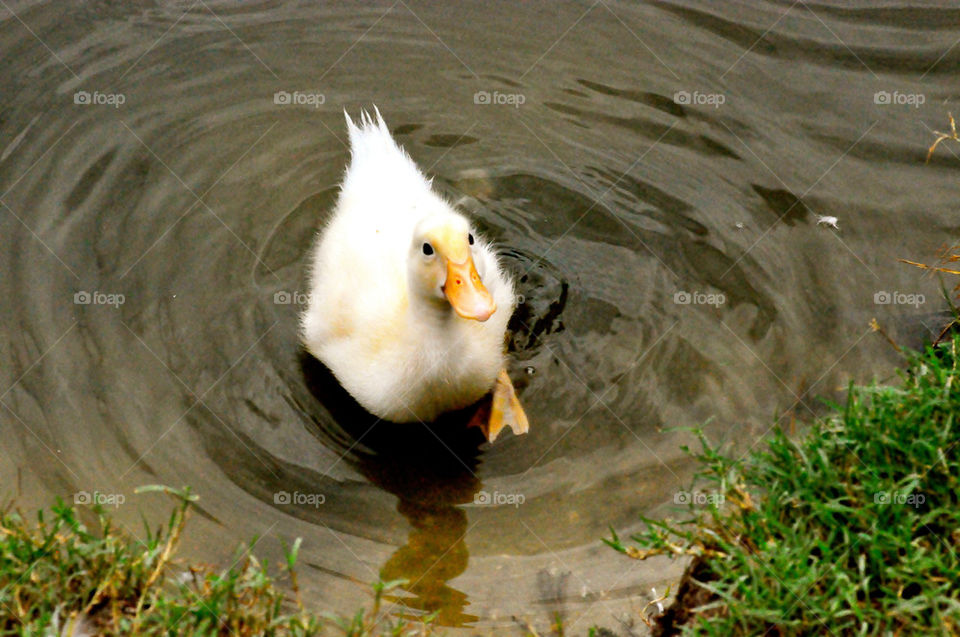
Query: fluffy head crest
point(368, 128)
point(376, 160)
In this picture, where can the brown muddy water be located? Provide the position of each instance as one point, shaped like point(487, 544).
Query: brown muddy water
point(653, 174)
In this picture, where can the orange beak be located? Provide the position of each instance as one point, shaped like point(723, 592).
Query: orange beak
point(465, 291)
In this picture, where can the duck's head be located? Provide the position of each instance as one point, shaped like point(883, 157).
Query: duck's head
point(442, 270)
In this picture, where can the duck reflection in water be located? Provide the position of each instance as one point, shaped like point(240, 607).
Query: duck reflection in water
point(431, 469)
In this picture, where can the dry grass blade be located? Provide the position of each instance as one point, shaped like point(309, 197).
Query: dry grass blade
point(935, 268)
point(952, 135)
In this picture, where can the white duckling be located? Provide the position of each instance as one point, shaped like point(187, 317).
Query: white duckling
point(408, 306)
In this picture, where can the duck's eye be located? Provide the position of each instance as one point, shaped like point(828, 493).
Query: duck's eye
point(427, 249)
point(470, 238)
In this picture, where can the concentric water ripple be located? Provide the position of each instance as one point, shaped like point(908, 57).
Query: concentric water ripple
point(158, 202)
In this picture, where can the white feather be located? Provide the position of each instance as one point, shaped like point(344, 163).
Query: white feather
point(399, 357)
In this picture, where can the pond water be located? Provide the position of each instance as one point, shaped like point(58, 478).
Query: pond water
point(653, 174)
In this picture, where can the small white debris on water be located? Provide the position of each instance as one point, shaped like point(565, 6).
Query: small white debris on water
point(828, 221)
point(740, 225)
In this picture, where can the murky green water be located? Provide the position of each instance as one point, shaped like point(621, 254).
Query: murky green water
point(653, 173)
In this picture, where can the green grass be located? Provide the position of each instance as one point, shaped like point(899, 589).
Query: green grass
point(851, 530)
point(57, 577)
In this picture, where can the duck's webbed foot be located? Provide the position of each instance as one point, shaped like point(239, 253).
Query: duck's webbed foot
point(505, 410)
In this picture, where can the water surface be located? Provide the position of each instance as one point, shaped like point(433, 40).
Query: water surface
point(627, 159)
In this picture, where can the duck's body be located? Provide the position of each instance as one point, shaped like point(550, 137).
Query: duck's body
point(410, 334)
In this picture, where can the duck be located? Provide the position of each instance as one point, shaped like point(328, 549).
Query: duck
point(408, 305)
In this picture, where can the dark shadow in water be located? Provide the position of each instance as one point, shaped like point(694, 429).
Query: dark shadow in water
point(431, 469)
